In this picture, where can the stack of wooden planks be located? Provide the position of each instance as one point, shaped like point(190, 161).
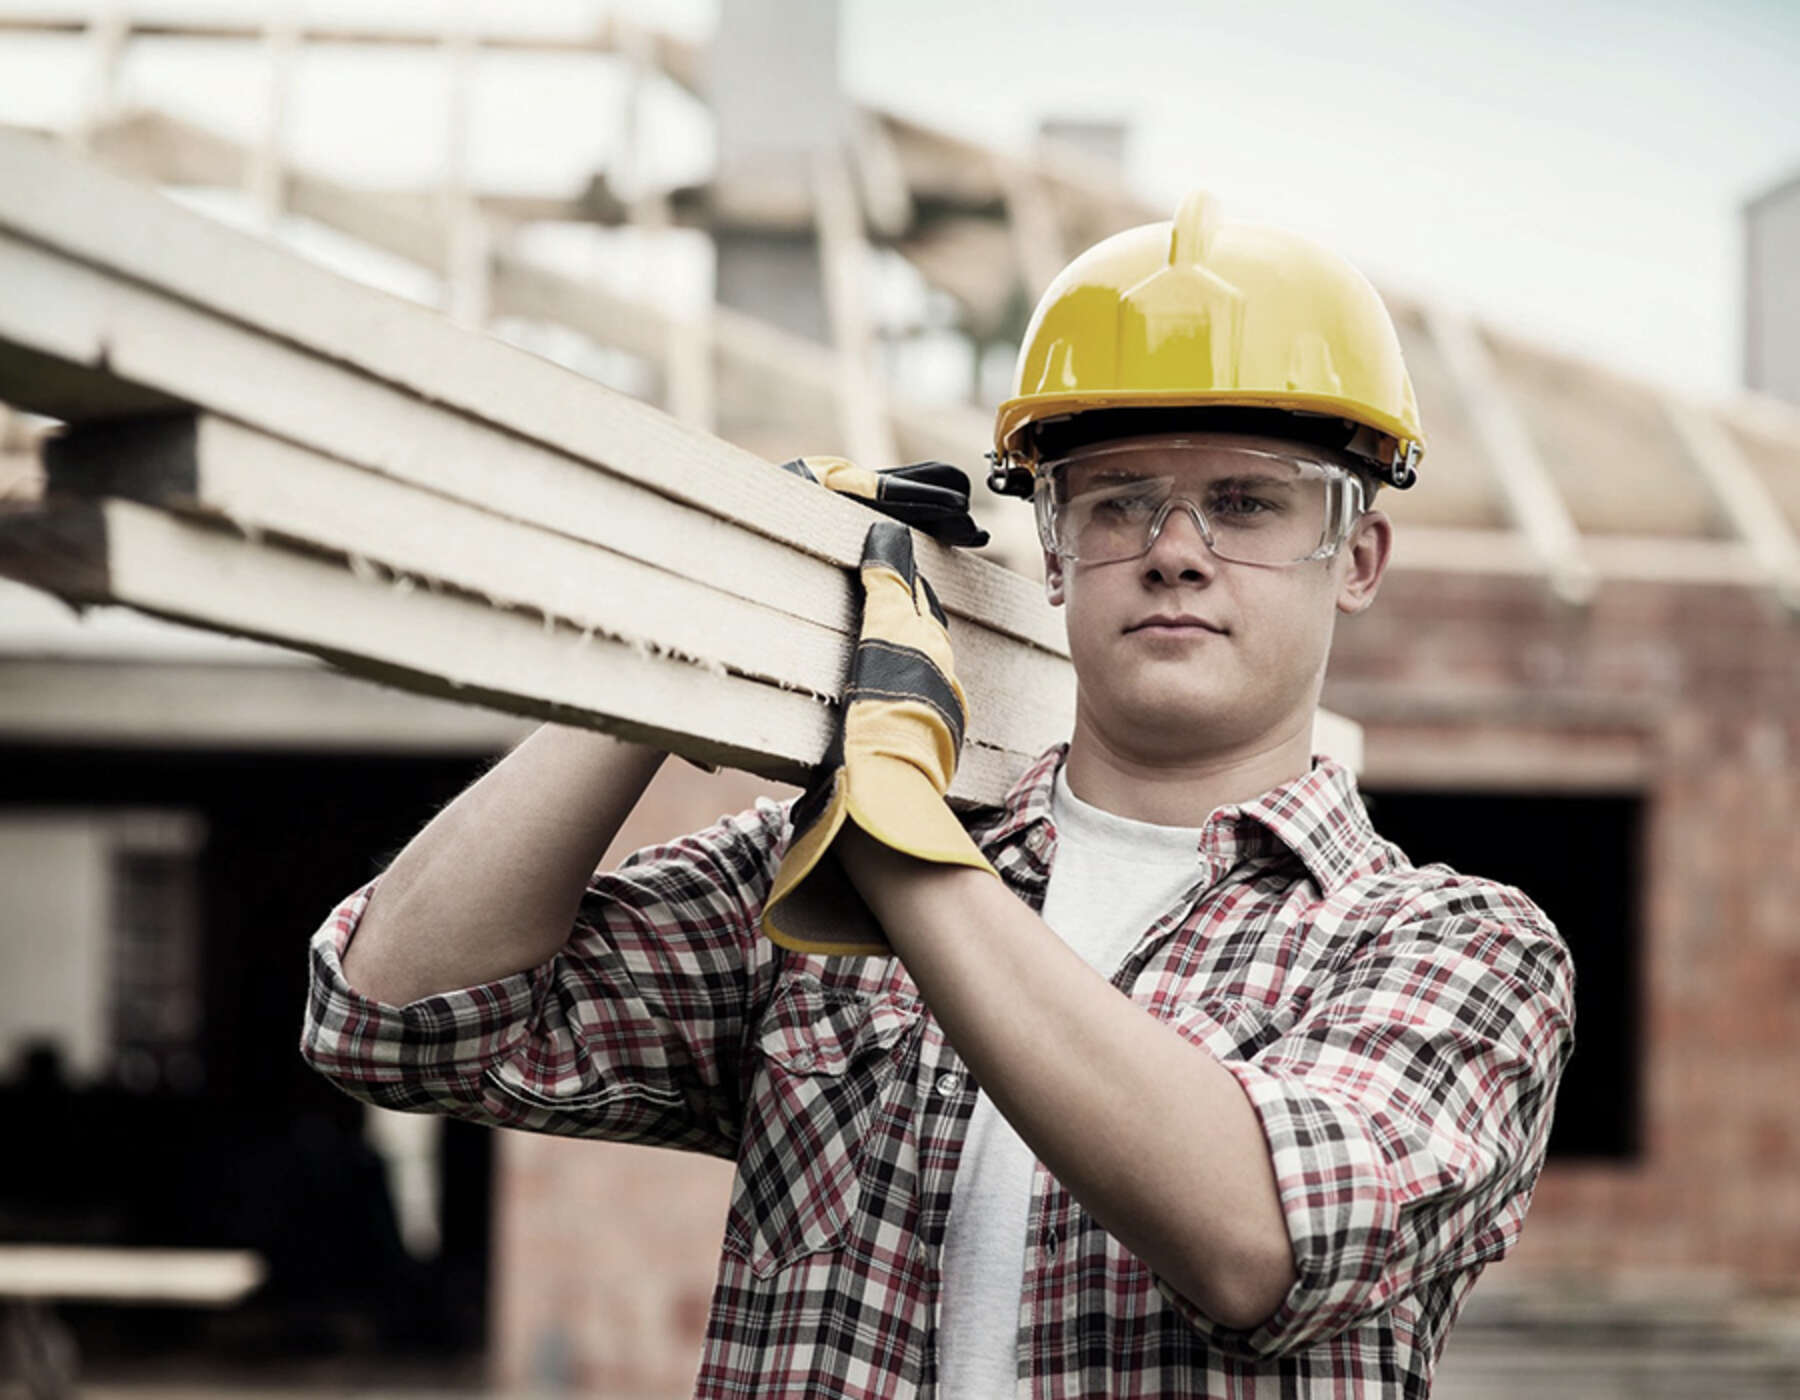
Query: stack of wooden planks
point(260, 447)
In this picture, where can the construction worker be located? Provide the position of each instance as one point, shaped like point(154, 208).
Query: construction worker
point(1167, 1077)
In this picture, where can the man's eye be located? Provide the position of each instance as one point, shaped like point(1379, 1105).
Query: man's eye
point(1125, 506)
point(1238, 505)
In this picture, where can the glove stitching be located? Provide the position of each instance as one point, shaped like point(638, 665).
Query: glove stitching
point(864, 693)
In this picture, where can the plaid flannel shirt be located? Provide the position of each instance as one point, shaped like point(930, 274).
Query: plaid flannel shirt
point(1400, 1032)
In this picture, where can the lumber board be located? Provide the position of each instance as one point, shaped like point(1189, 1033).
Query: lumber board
point(117, 551)
point(1741, 496)
point(136, 339)
point(445, 644)
point(1021, 698)
point(122, 332)
point(294, 707)
point(91, 216)
point(125, 330)
point(210, 1277)
point(1525, 482)
point(843, 263)
point(122, 329)
point(679, 59)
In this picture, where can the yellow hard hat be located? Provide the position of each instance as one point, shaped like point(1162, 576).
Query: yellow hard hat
point(1203, 313)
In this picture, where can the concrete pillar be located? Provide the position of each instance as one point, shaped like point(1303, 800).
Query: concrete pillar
point(1772, 291)
point(775, 89)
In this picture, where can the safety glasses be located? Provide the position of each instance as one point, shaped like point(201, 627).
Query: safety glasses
point(1251, 506)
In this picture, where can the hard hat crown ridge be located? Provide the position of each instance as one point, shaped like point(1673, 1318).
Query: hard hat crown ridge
point(1203, 313)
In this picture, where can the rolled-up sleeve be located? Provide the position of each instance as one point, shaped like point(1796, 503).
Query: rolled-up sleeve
point(1407, 1111)
point(630, 1032)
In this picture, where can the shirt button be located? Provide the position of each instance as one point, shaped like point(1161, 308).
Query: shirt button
point(949, 1084)
point(1050, 1243)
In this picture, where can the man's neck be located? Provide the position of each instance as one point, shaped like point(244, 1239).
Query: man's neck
point(1182, 790)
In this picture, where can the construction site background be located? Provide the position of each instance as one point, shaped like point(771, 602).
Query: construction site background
point(1583, 675)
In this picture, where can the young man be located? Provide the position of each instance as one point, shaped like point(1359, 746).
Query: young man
point(1167, 1077)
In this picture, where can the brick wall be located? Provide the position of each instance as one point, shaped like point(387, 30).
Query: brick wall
point(1690, 697)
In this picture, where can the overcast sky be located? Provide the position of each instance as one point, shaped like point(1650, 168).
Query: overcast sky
point(1574, 169)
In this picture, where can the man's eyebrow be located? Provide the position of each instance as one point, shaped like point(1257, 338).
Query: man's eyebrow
point(1261, 483)
point(1117, 475)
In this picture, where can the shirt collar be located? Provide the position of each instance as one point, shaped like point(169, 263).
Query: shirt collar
point(1318, 816)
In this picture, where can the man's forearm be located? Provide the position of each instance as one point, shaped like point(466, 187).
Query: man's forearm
point(491, 886)
point(1148, 1132)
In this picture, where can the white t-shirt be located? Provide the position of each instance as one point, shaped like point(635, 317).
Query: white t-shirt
point(1111, 878)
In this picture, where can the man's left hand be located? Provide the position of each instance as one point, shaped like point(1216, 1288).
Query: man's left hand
point(889, 765)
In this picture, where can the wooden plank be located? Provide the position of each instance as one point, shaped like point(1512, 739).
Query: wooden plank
point(1031, 217)
point(470, 254)
point(107, 36)
point(1741, 496)
point(688, 377)
point(1021, 698)
point(1525, 482)
point(262, 485)
point(97, 1274)
point(880, 178)
point(115, 551)
point(82, 317)
point(730, 356)
point(302, 707)
point(1457, 755)
point(1609, 558)
point(677, 58)
point(451, 456)
point(450, 645)
point(91, 216)
point(265, 174)
point(843, 261)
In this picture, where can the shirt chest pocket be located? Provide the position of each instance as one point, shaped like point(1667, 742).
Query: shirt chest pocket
point(827, 1062)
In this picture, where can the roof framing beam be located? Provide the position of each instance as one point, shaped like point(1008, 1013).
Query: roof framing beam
point(864, 422)
point(1742, 497)
point(680, 59)
point(1529, 491)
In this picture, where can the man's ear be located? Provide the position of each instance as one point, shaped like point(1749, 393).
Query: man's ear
point(1053, 579)
point(1367, 551)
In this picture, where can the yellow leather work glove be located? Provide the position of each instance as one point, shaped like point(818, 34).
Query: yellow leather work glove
point(929, 496)
point(889, 765)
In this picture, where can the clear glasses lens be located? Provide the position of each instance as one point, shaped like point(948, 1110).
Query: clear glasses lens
point(1251, 507)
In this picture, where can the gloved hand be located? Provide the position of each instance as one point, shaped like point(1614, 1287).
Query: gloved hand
point(929, 496)
point(889, 764)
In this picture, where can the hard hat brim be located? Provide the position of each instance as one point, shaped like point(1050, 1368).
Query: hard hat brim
point(1016, 415)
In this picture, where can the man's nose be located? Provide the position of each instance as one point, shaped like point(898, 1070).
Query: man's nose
point(1180, 549)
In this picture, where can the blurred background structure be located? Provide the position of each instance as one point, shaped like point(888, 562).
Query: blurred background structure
point(1583, 677)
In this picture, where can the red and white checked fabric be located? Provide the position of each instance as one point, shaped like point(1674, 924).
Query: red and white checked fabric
point(1400, 1031)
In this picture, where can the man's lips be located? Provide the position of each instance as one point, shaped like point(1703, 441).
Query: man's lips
point(1177, 622)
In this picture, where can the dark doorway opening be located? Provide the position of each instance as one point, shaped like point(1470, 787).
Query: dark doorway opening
point(1581, 859)
point(247, 1147)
